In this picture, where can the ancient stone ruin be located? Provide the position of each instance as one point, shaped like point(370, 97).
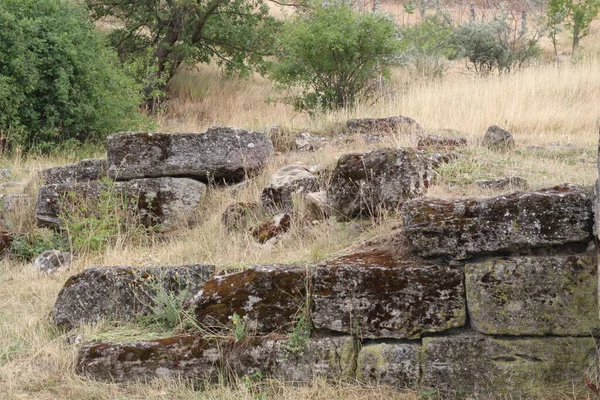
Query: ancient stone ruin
point(480, 297)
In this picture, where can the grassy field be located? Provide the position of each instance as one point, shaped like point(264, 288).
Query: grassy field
point(552, 111)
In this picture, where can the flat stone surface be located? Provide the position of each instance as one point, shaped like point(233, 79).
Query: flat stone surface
point(268, 296)
point(122, 293)
point(472, 364)
point(551, 295)
point(376, 296)
point(499, 225)
point(81, 171)
point(365, 183)
point(219, 154)
point(390, 364)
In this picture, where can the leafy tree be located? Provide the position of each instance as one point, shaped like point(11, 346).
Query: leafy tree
point(334, 55)
point(576, 15)
point(156, 37)
point(556, 12)
point(58, 80)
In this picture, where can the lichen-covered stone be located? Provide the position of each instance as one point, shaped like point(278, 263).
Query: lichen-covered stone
point(316, 205)
point(390, 364)
point(376, 296)
point(267, 296)
point(441, 142)
point(239, 216)
point(163, 202)
point(470, 364)
point(81, 171)
point(363, 183)
point(286, 182)
point(496, 138)
point(219, 154)
point(51, 261)
point(122, 293)
point(400, 124)
point(512, 223)
point(536, 295)
point(193, 358)
point(188, 357)
point(273, 228)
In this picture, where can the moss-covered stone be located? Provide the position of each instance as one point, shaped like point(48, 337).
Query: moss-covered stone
point(469, 364)
point(517, 222)
point(545, 295)
point(391, 364)
point(268, 297)
point(375, 295)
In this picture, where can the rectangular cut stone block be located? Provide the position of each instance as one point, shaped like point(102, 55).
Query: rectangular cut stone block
point(220, 153)
point(191, 357)
point(376, 296)
point(545, 295)
point(390, 364)
point(268, 297)
point(506, 224)
point(471, 364)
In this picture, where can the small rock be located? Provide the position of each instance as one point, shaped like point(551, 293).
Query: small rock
point(239, 216)
point(286, 182)
point(306, 142)
point(514, 182)
point(496, 138)
point(5, 173)
point(280, 224)
point(51, 261)
point(441, 142)
point(317, 206)
point(390, 125)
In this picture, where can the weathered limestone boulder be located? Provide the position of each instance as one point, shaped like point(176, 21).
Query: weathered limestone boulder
point(375, 296)
point(268, 296)
point(239, 216)
point(275, 227)
point(162, 202)
point(390, 364)
point(122, 293)
point(513, 223)
point(363, 183)
point(51, 261)
point(400, 124)
point(81, 171)
point(185, 356)
point(472, 364)
point(514, 182)
point(219, 154)
point(286, 182)
point(496, 138)
point(441, 142)
point(191, 357)
point(535, 295)
point(317, 205)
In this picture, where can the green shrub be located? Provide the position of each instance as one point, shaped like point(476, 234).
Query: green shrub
point(58, 80)
point(335, 55)
point(27, 246)
point(494, 46)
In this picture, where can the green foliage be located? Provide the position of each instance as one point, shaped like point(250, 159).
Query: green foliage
point(27, 246)
point(576, 15)
point(295, 345)
point(155, 37)
point(335, 55)
point(94, 222)
point(426, 46)
point(240, 331)
point(58, 80)
point(166, 306)
point(494, 46)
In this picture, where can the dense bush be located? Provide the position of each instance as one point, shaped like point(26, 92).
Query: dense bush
point(58, 80)
point(335, 56)
point(494, 46)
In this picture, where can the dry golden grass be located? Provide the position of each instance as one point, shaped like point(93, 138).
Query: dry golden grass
point(557, 108)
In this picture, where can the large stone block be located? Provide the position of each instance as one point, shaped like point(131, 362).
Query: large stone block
point(390, 364)
point(122, 293)
point(81, 171)
point(545, 295)
point(471, 364)
point(512, 223)
point(268, 297)
point(162, 202)
point(363, 183)
point(191, 357)
point(219, 154)
point(376, 296)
